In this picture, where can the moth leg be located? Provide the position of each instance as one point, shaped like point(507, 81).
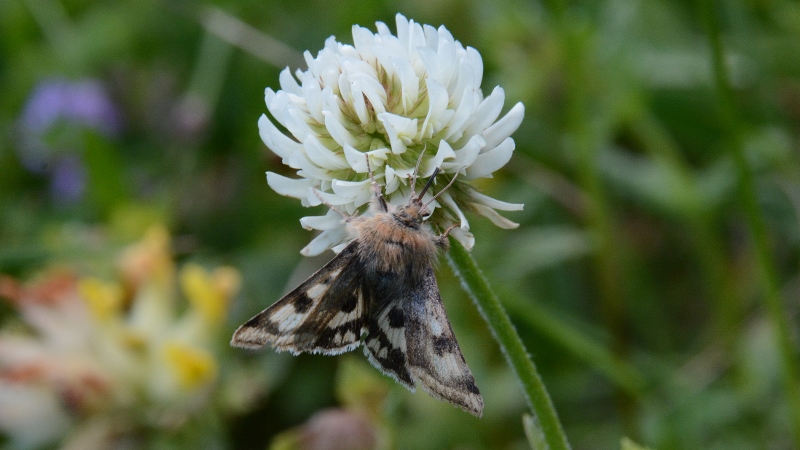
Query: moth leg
point(442, 241)
point(379, 201)
point(346, 217)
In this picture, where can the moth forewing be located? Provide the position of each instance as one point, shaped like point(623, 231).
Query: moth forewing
point(434, 357)
point(325, 314)
point(381, 286)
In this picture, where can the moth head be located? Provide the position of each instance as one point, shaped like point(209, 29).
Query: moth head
point(411, 214)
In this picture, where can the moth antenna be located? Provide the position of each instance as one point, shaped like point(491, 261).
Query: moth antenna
point(376, 190)
point(346, 217)
point(416, 172)
point(442, 191)
point(428, 184)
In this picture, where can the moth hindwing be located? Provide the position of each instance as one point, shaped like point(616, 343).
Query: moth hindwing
point(380, 287)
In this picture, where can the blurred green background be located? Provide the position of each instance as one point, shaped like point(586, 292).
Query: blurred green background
point(655, 272)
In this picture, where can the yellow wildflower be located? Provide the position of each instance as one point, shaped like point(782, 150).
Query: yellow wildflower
point(103, 299)
point(193, 367)
point(209, 293)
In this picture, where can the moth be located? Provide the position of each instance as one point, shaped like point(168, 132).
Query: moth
point(379, 291)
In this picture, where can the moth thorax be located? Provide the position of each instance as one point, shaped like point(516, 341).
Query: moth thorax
point(390, 246)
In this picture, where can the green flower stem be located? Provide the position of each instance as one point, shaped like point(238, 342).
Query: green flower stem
point(477, 286)
point(755, 220)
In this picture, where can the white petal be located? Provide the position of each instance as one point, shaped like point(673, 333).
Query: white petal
point(430, 61)
point(329, 221)
point(356, 159)
point(312, 92)
point(494, 203)
point(383, 29)
point(475, 60)
point(279, 143)
point(363, 39)
point(372, 90)
point(488, 162)
point(310, 170)
point(357, 100)
point(274, 105)
point(310, 62)
point(444, 152)
point(401, 131)
point(466, 155)
point(398, 147)
point(504, 127)
point(322, 157)
point(447, 58)
point(402, 25)
point(313, 197)
point(486, 112)
point(324, 241)
point(464, 237)
point(398, 177)
point(338, 132)
point(391, 180)
point(345, 91)
point(288, 186)
point(437, 110)
point(359, 191)
point(288, 83)
point(287, 113)
point(461, 116)
point(409, 83)
point(338, 248)
point(496, 218)
point(450, 204)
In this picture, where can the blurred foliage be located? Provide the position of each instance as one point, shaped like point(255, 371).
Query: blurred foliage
point(633, 279)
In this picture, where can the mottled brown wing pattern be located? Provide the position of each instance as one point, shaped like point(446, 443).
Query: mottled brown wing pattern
point(434, 357)
point(325, 314)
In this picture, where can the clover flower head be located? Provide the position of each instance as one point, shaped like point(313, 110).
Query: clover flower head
point(399, 99)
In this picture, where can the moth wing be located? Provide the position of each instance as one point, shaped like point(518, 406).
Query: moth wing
point(325, 314)
point(385, 344)
point(434, 357)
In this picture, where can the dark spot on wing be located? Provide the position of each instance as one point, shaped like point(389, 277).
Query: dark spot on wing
point(263, 322)
point(442, 345)
point(470, 385)
point(325, 338)
point(302, 303)
point(396, 319)
point(350, 303)
point(395, 360)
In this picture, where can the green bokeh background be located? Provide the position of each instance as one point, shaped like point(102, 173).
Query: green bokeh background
point(636, 279)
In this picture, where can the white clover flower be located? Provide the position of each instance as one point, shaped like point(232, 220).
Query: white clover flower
point(396, 99)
